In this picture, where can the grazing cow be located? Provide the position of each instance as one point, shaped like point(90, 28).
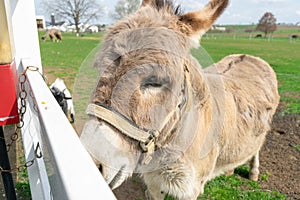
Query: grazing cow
point(294, 36)
point(63, 98)
point(258, 36)
point(156, 112)
point(54, 34)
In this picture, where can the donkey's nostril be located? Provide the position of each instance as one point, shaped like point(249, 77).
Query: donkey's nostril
point(100, 168)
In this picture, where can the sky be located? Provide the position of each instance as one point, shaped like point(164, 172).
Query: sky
point(238, 12)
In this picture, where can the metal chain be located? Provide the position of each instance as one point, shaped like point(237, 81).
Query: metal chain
point(22, 110)
point(37, 154)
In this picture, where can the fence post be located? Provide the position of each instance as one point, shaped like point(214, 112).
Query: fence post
point(4, 164)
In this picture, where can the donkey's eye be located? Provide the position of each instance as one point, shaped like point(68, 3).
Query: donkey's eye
point(147, 85)
point(151, 82)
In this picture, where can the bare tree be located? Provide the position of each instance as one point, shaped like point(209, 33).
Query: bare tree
point(267, 24)
point(125, 7)
point(75, 11)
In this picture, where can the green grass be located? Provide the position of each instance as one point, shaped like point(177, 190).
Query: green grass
point(23, 190)
point(297, 147)
point(63, 59)
point(233, 187)
point(22, 186)
point(279, 53)
point(236, 188)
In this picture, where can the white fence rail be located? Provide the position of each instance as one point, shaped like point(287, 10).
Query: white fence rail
point(65, 170)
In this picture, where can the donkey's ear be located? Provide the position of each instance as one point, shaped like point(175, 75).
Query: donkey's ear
point(146, 2)
point(198, 22)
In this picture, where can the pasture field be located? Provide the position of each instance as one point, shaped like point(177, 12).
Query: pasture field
point(281, 54)
point(64, 60)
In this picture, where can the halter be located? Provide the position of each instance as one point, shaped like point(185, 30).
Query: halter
point(146, 138)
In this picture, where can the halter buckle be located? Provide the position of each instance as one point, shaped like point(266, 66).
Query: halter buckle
point(149, 145)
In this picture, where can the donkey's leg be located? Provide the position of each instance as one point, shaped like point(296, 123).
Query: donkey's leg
point(254, 164)
point(152, 194)
point(153, 191)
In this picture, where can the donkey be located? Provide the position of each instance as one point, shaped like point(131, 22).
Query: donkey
point(54, 34)
point(156, 112)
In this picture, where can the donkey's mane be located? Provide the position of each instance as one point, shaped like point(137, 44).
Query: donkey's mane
point(167, 5)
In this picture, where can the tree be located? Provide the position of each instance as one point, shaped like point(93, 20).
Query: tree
point(125, 7)
point(75, 11)
point(267, 24)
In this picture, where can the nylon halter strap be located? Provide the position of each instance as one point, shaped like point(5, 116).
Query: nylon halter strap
point(146, 138)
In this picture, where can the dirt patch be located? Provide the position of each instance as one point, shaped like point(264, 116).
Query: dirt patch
point(279, 158)
point(49, 77)
point(132, 189)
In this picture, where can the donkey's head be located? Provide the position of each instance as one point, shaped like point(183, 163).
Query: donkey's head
point(145, 91)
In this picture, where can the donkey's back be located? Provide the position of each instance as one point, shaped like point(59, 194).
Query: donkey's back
point(250, 99)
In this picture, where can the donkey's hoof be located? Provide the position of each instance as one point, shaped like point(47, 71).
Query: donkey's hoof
point(253, 177)
point(148, 195)
point(229, 173)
